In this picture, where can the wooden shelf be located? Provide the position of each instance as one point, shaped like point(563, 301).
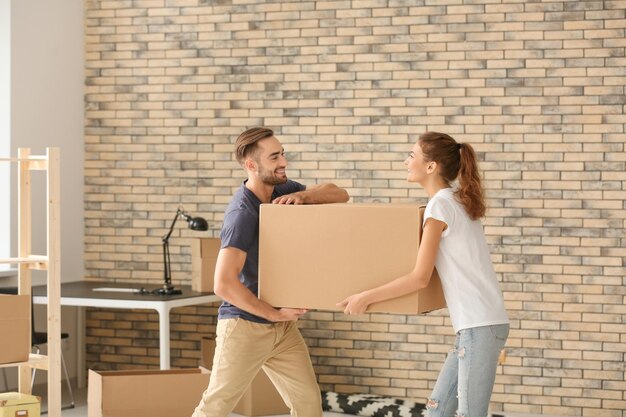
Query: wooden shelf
point(32, 162)
point(32, 262)
point(29, 259)
point(26, 262)
point(35, 360)
point(29, 158)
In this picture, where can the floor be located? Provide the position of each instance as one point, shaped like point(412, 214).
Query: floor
point(80, 397)
point(80, 410)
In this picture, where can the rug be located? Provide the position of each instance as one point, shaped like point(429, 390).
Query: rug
point(368, 405)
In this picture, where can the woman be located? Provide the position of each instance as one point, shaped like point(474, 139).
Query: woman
point(453, 240)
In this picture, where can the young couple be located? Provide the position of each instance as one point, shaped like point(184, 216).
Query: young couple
point(251, 334)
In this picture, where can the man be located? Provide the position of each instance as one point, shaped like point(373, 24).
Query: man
point(252, 334)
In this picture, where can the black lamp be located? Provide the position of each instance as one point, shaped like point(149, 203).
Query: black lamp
point(194, 223)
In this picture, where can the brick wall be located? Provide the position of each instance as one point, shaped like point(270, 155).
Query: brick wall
point(537, 87)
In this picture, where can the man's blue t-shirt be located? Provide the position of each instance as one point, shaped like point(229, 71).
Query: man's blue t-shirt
point(241, 230)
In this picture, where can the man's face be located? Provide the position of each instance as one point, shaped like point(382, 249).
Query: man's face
point(271, 162)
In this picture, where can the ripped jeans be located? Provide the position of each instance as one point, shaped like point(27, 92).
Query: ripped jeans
point(466, 380)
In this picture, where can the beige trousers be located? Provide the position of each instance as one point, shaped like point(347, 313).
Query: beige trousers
point(242, 349)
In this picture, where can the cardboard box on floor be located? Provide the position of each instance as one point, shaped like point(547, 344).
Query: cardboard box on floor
point(145, 393)
point(203, 258)
point(260, 399)
point(14, 328)
point(313, 256)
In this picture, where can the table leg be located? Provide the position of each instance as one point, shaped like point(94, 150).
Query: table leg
point(81, 376)
point(164, 336)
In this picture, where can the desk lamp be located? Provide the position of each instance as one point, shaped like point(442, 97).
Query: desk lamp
point(194, 223)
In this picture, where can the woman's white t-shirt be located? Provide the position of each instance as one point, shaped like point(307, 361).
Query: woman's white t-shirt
point(464, 265)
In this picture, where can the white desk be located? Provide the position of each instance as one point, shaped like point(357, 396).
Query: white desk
point(82, 294)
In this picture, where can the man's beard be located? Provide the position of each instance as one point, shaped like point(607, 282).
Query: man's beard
point(268, 178)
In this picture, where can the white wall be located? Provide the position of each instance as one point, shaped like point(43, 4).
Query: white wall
point(5, 143)
point(47, 62)
point(47, 78)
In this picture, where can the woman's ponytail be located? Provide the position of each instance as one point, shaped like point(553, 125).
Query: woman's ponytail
point(470, 191)
point(457, 161)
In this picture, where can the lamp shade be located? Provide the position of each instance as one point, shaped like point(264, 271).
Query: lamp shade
point(197, 223)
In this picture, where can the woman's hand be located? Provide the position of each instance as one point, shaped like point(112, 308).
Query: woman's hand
point(355, 304)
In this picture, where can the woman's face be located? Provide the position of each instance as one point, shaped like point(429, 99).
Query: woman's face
point(416, 166)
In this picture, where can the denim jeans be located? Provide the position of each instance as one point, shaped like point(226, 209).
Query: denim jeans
point(466, 380)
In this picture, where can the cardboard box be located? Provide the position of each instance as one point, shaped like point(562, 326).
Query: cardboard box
point(14, 328)
point(203, 258)
point(260, 399)
point(145, 393)
point(314, 256)
point(15, 404)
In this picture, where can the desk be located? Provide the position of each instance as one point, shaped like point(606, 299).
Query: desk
point(112, 295)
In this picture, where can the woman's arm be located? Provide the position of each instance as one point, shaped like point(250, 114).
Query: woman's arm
point(415, 280)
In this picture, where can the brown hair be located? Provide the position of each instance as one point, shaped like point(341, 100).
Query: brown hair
point(246, 143)
point(457, 160)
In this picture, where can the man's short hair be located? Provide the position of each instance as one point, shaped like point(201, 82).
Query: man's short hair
point(246, 143)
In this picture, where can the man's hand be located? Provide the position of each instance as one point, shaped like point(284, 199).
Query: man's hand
point(294, 198)
point(289, 314)
point(315, 194)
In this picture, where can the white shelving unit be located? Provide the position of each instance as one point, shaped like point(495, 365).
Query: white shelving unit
point(26, 262)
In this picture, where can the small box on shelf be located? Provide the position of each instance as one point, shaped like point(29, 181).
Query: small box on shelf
point(14, 328)
point(14, 404)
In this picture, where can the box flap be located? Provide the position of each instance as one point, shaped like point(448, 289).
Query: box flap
point(94, 394)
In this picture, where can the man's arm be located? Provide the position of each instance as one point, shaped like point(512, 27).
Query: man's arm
point(227, 286)
point(315, 194)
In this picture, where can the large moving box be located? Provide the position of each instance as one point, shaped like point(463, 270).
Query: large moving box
point(145, 393)
point(314, 256)
point(203, 258)
point(15, 404)
point(260, 399)
point(14, 328)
